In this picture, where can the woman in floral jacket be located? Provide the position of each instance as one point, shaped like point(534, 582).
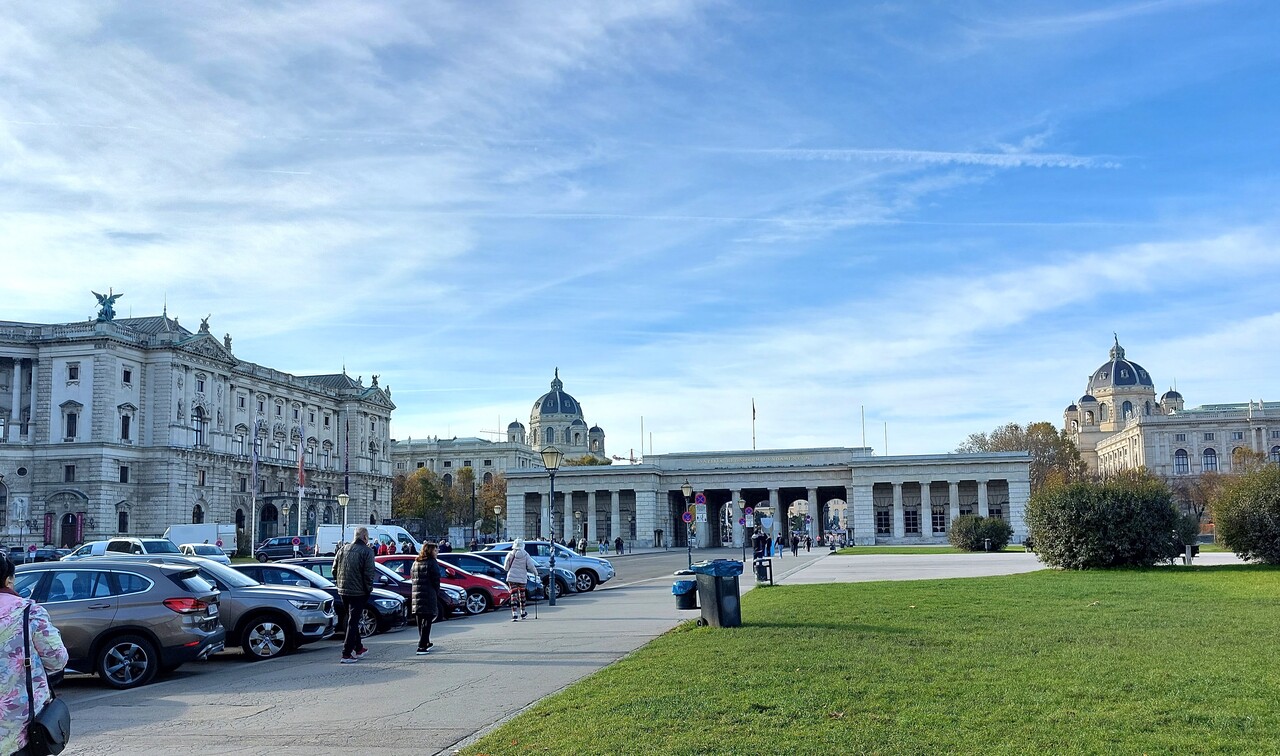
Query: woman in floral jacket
point(49, 655)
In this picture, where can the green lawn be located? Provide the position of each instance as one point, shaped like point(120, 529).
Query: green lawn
point(1167, 660)
point(855, 550)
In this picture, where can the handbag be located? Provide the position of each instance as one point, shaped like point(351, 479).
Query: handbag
point(49, 729)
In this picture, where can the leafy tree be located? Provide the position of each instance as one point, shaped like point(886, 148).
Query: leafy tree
point(1247, 514)
point(1054, 456)
point(1128, 519)
point(586, 460)
point(418, 497)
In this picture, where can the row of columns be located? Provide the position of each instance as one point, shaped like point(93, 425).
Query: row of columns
point(615, 514)
point(14, 425)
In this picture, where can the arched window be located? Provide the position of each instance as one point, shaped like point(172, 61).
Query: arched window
point(328, 515)
point(549, 435)
point(1147, 409)
point(1127, 409)
point(1209, 461)
point(1275, 454)
point(200, 422)
point(1181, 462)
point(373, 518)
point(1103, 413)
point(447, 480)
point(197, 515)
point(1088, 417)
point(122, 522)
point(239, 519)
point(488, 478)
point(577, 439)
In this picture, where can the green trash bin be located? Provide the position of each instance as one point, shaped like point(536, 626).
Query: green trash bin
point(718, 592)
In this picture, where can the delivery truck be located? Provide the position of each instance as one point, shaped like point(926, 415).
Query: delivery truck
point(220, 534)
point(328, 537)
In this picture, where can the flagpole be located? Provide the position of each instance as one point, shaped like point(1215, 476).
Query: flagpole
point(302, 475)
point(253, 508)
point(753, 423)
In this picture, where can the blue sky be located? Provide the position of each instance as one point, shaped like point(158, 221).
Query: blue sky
point(937, 211)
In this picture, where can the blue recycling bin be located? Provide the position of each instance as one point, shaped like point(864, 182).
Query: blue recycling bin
point(718, 592)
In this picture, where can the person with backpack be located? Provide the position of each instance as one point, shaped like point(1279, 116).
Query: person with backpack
point(25, 632)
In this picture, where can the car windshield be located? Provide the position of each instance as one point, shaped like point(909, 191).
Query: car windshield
point(316, 579)
point(205, 549)
point(160, 546)
point(233, 578)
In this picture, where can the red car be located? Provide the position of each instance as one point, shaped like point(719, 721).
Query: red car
point(483, 593)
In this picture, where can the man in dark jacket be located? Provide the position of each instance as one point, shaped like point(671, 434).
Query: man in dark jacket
point(353, 572)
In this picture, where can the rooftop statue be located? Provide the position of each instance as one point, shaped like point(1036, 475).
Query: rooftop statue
point(105, 302)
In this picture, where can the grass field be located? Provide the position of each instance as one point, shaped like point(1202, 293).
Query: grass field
point(1167, 660)
point(855, 550)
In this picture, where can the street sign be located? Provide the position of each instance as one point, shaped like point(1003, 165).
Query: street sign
point(218, 543)
point(742, 521)
point(701, 512)
point(687, 517)
point(808, 519)
point(749, 511)
point(297, 541)
point(32, 548)
point(700, 498)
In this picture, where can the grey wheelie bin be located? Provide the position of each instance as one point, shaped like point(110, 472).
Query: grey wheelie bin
point(718, 592)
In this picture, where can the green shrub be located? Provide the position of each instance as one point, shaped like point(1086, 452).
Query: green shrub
point(1129, 520)
point(971, 532)
point(1247, 515)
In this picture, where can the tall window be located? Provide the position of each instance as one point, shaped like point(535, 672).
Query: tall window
point(73, 419)
point(1104, 413)
point(1128, 409)
point(124, 474)
point(1181, 462)
point(126, 376)
point(911, 520)
point(197, 515)
point(549, 435)
point(73, 371)
point(939, 519)
point(68, 473)
point(1275, 454)
point(996, 511)
point(122, 522)
point(1209, 461)
point(125, 421)
point(200, 384)
point(884, 521)
point(201, 423)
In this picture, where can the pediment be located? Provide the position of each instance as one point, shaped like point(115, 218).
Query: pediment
point(206, 345)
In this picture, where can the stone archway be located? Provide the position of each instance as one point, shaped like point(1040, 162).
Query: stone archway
point(68, 531)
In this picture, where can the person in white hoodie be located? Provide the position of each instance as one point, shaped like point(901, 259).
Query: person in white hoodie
point(520, 567)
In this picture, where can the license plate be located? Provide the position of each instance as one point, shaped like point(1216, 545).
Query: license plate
point(213, 610)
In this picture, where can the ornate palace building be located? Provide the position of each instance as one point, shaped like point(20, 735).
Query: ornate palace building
point(1119, 424)
point(126, 426)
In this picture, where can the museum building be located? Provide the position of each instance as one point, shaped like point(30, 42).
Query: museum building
point(126, 426)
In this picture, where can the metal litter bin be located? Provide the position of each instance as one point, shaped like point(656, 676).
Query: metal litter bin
point(685, 590)
point(764, 570)
point(718, 592)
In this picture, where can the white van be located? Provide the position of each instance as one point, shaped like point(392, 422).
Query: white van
point(205, 532)
point(92, 548)
point(329, 537)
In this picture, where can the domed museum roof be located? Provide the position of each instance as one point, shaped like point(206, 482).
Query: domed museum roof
point(556, 401)
point(1170, 394)
point(1119, 372)
point(515, 425)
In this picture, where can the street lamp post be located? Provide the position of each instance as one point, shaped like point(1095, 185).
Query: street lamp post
point(687, 490)
point(497, 523)
point(551, 457)
point(742, 507)
point(631, 531)
point(473, 507)
point(343, 500)
point(577, 529)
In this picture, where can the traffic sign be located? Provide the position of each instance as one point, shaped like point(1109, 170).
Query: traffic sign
point(32, 548)
point(700, 498)
point(297, 541)
point(218, 543)
point(808, 519)
point(687, 517)
point(742, 521)
point(749, 511)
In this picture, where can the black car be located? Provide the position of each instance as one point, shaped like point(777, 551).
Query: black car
point(21, 554)
point(386, 611)
point(281, 547)
point(451, 600)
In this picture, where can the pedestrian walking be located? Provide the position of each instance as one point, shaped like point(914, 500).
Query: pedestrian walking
point(617, 545)
point(425, 576)
point(795, 545)
point(759, 544)
point(808, 543)
point(520, 567)
point(353, 572)
point(21, 620)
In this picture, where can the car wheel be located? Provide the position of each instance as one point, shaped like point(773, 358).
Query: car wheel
point(262, 557)
point(368, 623)
point(265, 638)
point(127, 662)
point(586, 581)
point(562, 588)
point(477, 602)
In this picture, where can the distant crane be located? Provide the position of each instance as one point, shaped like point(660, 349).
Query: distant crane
point(632, 459)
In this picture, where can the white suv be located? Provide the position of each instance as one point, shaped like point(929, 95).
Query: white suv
point(145, 546)
point(589, 571)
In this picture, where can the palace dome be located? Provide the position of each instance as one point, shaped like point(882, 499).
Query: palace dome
point(1119, 372)
point(556, 401)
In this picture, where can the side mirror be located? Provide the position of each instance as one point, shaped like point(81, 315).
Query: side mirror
point(302, 584)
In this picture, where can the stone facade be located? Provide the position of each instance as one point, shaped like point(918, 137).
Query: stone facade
point(847, 491)
point(131, 425)
point(1120, 425)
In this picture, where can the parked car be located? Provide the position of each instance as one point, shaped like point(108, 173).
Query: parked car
point(206, 550)
point(483, 592)
point(386, 611)
point(281, 547)
point(20, 554)
point(451, 599)
point(126, 621)
point(588, 571)
point(265, 621)
point(478, 564)
point(148, 546)
point(92, 548)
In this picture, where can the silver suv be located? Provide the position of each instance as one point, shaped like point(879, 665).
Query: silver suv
point(265, 620)
point(127, 621)
point(588, 571)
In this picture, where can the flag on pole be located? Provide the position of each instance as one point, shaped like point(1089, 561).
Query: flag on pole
point(302, 473)
point(256, 426)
